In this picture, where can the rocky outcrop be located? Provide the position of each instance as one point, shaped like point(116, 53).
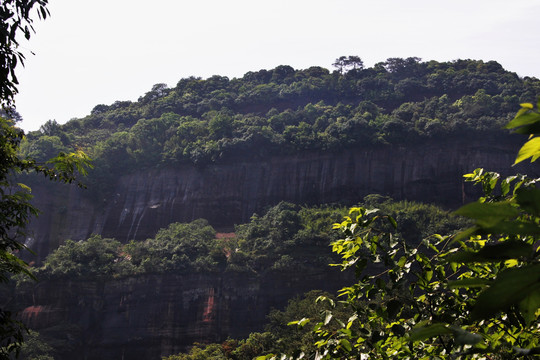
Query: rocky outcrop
point(230, 192)
point(150, 316)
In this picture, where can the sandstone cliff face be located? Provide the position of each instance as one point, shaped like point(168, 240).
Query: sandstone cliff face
point(153, 315)
point(229, 193)
point(150, 316)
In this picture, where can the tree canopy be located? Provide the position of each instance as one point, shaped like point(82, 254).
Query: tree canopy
point(284, 111)
point(15, 206)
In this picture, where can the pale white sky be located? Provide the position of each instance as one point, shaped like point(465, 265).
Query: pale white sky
point(92, 52)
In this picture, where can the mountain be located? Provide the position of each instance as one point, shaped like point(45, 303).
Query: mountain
point(224, 149)
point(230, 192)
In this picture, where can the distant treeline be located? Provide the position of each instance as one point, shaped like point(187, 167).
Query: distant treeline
point(284, 110)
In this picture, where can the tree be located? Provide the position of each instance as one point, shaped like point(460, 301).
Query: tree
point(347, 63)
point(399, 65)
point(15, 16)
point(15, 207)
point(473, 295)
point(16, 211)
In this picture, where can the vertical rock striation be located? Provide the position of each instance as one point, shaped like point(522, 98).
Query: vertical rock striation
point(229, 193)
point(150, 316)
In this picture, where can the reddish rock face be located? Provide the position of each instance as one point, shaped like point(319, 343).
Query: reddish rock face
point(150, 316)
point(229, 193)
point(30, 313)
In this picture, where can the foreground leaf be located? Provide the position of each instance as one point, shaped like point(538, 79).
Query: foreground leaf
point(427, 332)
point(510, 288)
point(531, 149)
point(488, 214)
point(497, 252)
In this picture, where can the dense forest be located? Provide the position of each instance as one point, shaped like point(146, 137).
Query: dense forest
point(284, 110)
point(286, 238)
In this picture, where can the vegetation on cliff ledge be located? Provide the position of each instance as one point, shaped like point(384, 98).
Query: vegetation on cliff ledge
point(474, 295)
point(283, 110)
point(286, 238)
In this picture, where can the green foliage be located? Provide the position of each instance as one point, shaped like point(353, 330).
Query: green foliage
point(95, 257)
point(11, 334)
point(201, 352)
point(286, 238)
point(180, 247)
point(36, 348)
point(283, 111)
point(15, 206)
point(474, 295)
point(16, 211)
point(416, 221)
point(43, 148)
point(448, 303)
point(296, 339)
point(247, 349)
point(527, 121)
point(279, 336)
point(348, 63)
point(15, 16)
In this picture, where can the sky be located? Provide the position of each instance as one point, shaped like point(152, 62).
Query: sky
point(91, 52)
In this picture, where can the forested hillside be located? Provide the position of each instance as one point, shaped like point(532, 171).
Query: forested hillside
point(283, 111)
point(212, 202)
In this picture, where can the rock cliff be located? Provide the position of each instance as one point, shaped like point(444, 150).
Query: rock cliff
point(153, 315)
point(150, 316)
point(230, 192)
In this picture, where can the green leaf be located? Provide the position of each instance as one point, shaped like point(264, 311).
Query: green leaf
point(514, 228)
point(526, 118)
point(345, 344)
point(327, 317)
point(300, 323)
point(402, 261)
point(24, 187)
point(465, 234)
point(392, 221)
point(497, 252)
point(530, 304)
point(529, 129)
point(427, 332)
point(488, 214)
point(360, 266)
point(505, 186)
point(529, 200)
point(510, 288)
point(463, 337)
point(468, 283)
point(531, 149)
